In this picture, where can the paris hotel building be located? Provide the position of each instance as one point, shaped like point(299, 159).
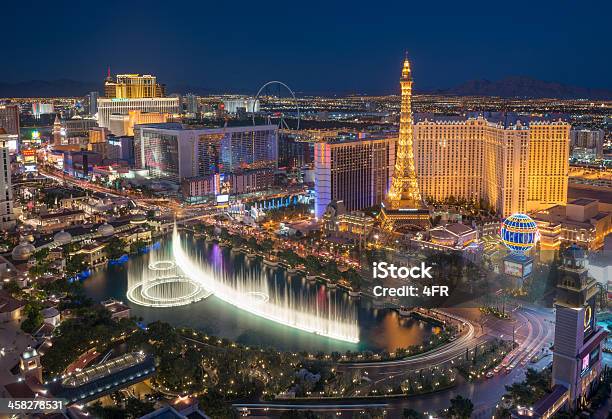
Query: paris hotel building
point(512, 165)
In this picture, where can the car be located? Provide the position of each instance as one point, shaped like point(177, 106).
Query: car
point(490, 374)
point(509, 368)
point(497, 369)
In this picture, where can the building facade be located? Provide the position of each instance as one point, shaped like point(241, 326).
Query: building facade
point(580, 222)
point(294, 151)
point(355, 171)
point(234, 105)
point(192, 105)
point(247, 181)
point(80, 164)
point(93, 103)
point(9, 119)
point(7, 217)
point(124, 124)
point(72, 128)
point(133, 86)
point(122, 106)
point(174, 151)
point(512, 167)
point(199, 189)
point(120, 148)
point(39, 108)
point(587, 142)
point(577, 353)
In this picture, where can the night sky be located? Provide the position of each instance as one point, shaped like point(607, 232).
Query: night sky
point(313, 46)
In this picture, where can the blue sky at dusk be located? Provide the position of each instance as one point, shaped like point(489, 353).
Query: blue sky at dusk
point(313, 46)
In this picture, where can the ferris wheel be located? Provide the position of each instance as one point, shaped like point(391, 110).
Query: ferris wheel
point(278, 108)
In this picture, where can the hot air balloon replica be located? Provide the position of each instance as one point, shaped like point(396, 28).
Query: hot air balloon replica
point(519, 233)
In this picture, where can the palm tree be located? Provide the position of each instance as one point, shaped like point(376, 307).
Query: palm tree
point(461, 408)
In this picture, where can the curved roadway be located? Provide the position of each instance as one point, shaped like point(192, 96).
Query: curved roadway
point(533, 330)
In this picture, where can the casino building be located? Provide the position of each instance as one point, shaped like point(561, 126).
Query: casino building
point(174, 151)
point(454, 238)
point(123, 106)
point(577, 354)
point(513, 163)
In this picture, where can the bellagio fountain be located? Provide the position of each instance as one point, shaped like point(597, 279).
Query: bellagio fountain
point(179, 274)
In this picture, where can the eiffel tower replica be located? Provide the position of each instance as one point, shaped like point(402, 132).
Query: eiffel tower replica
point(403, 208)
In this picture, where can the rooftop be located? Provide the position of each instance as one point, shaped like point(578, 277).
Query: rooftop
point(505, 119)
point(166, 412)
point(8, 304)
point(558, 215)
point(97, 381)
point(600, 195)
point(217, 128)
point(582, 201)
point(61, 214)
point(115, 306)
point(544, 404)
point(19, 390)
point(102, 370)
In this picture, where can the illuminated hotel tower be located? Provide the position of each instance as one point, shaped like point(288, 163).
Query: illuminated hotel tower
point(403, 207)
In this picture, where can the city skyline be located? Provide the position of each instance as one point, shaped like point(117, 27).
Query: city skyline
point(353, 239)
point(241, 48)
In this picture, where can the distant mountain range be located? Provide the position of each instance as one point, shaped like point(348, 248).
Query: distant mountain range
point(48, 88)
point(518, 86)
point(515, 86)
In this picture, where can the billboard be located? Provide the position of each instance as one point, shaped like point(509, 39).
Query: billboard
point(513, 268)
point(222, 199)
point(519, 269)
point(585, 364)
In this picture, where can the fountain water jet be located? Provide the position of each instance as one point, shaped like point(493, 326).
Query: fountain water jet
point(162, 284)
point(252, 293)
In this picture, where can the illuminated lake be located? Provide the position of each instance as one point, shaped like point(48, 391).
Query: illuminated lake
point(378, 329)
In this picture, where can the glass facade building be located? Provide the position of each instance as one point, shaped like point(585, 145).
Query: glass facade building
point(175, 152)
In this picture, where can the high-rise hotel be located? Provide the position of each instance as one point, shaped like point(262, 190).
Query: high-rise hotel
point(133, 86)
point(512, 164)
point(356, 171)
point(9, 118)
point(133, 92)
point(7, 218)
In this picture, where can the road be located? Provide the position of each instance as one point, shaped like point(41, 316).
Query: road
point(532, 331)
point(89, 186)
point(392, 371)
